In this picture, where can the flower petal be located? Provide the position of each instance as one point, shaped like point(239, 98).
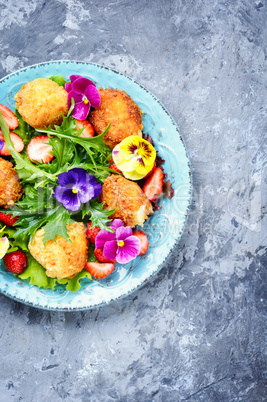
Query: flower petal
point(110, 249)
point(116, 223)
point(102, 237)
point(97, 190)
point(85, 193)
point(82, 175)
point(60, 193)
point(4, 246)
point(77, 98)
point(134, 156)
point(74, 77)
point(97, 186)
point(68, 86)
point(124, 165)
point(80, 85)
point(129, 251)
point(133, 175)
point(68, 198)
point(81, 110)
point(123, 232)
point(69, 178)
point(2, 144)
point(72, 203)
point(93, 95)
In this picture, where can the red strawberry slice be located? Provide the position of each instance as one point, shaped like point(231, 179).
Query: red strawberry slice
point(143, 239)
point(101, 258)
point(17, 143)
point(113, 166)
point(15, 262)
point(7, 219)
point(99, 270)
point(88, 131)
point(92, 232)
point(10, 118)
point(39, 150)
point(153, 186)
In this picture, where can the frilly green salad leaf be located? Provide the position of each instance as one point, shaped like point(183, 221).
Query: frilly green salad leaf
point(38, 208)
point(59, 79)
point(35, 275)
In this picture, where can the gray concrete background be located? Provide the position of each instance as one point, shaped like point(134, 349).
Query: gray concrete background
point(196, 332)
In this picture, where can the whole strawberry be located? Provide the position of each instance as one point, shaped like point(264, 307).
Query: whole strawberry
point(15, 262)
point(7, 219)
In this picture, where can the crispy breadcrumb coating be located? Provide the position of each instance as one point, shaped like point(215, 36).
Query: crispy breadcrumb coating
point(121, 111)
point(41, 102)
point(10, 188)
point(60, 258)
point(132, 205)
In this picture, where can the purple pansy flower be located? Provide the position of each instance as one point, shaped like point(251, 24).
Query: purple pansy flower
point(121, 245)
point(1, 144)
point(76, 187)
point(85, 94)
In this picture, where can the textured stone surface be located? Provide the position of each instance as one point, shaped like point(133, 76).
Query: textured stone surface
point(195, 333)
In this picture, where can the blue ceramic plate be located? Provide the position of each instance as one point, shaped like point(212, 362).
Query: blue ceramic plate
point(164, 228)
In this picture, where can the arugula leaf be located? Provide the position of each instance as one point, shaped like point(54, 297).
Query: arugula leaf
point(24, 130)
point(68, 130)
point(63, 151)
point(98, 216)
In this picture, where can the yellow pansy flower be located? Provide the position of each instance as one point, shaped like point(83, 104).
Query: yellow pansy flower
point(4, 244)
point(135, 157)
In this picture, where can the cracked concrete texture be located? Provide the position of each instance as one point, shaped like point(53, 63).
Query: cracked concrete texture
point(195, 333)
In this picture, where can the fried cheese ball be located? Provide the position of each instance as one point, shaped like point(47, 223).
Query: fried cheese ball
point(132, 205)
point(61, 258)
point(10, 188)
point(41, 102)
point(121, 111)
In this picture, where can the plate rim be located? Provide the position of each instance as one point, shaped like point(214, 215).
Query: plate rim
point(70, 308)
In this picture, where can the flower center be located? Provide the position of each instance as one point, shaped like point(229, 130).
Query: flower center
point(74, 190)
point(140, 152)
point(85, 100)
point(120, 243)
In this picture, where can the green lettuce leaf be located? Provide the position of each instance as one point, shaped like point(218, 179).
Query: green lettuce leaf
point(59, 79)
point(35, 274)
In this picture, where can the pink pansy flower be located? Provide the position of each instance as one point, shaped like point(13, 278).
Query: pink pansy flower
point(120, 245)
point(85, 94)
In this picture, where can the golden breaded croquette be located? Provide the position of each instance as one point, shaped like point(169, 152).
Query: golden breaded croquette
point(10, 188)
point(132, 205)
point(61, 258)
point(41, 102)
point(121, 111)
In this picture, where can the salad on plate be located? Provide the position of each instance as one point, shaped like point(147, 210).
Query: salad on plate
point(78, 180)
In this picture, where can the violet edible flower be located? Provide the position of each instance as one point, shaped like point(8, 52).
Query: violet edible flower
point(1, 144)
point(85, 95)
point(121, 245)
point(76, 187)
